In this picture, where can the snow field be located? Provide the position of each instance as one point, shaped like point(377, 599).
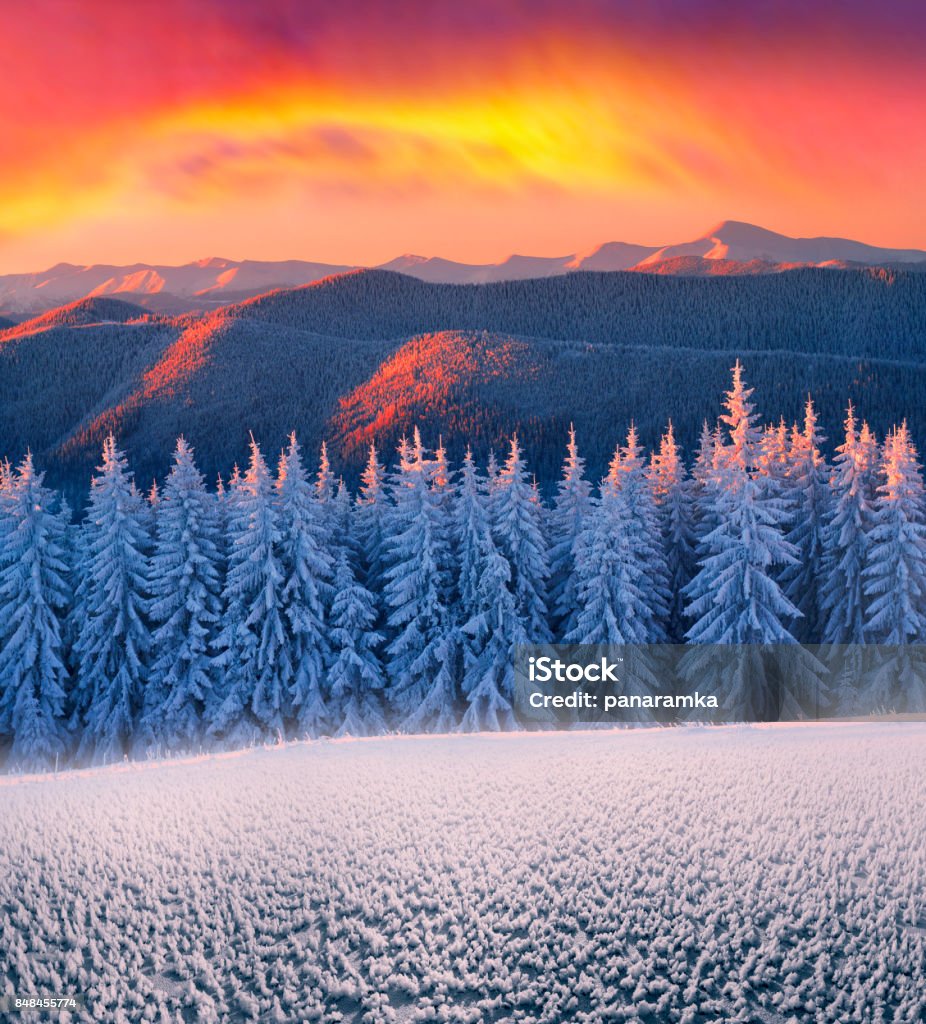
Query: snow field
point(734, 874)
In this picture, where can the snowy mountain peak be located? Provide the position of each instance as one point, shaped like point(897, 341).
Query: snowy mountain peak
point(744, 243)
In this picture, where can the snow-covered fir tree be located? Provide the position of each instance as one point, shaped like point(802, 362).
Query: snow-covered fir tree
point(490, 626)
point(471, 519)
point(356, 677)
point(610, 584)
point(421, 654)
point(613, 594)
point(518, 524)
point(672, 496)
point(185, 586)
point(774, 459)
point(705, 461)
point(325, 481)
point(488, 648)
point(369, 515)
point(895, 579)
point(6, 498)
point(252, 700)
point(734, 598)
point(111, 631)
point(34, 592)
point(847, 533)
point(810, 496)
point(895, 573)
point(341, 518)
point(440, 470)
point(570, 507)
point(442, 482)
point(628, 474)
point(703, 476)
point(492, 471)
point(774, 470)
point(307, 567)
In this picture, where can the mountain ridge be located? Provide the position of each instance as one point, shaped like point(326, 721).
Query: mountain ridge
point(731, 247)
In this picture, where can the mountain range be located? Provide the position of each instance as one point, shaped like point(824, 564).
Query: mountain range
point(731, 248)
point(367, 355)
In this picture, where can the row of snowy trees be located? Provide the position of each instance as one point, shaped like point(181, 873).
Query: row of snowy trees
point(279, 605)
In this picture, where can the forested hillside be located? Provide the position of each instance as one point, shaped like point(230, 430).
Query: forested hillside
point(873, 313)
point(372, 353)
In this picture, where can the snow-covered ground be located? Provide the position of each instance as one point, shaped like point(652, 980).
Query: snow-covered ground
point(753, 874)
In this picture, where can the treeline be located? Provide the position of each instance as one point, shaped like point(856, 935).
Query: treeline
point(280, 605)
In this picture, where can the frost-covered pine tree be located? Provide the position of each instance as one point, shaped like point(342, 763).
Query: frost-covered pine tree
point(518, 524)
point(489, 625)
point(612, 589)
point(356, 677)
point(421, 654)
point(895, 573)
point(342, 518)
point(774, 468)
point(307, 567)
point(185, 584)
point(325, 481)
point(326, 489)
point(705, 463)
point(256, 669)
point(440, 471)
point(870, 454)
point(492, 471)
point(6, 498)
point(470, 521)
point(490, 636)
point(33, 594)
point(570, 507)
point(369, 514)
point(111, 631)
point(628, 474)
point(613, 592)
point(809, 492)
point(734, 598)
point(443, 485)
point(846, 538)
point(229, 677)
point(675, 513)
point(703, 476)
point(895, 579)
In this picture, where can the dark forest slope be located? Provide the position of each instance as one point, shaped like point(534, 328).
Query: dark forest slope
point(371, 353)
point(870, 312)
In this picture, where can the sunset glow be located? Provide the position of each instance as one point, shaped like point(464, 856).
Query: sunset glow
point(176, 130)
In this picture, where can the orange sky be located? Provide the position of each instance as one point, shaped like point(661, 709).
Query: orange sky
point(351, 133)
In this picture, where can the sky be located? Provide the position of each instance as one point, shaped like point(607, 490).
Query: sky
point(353, 132)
